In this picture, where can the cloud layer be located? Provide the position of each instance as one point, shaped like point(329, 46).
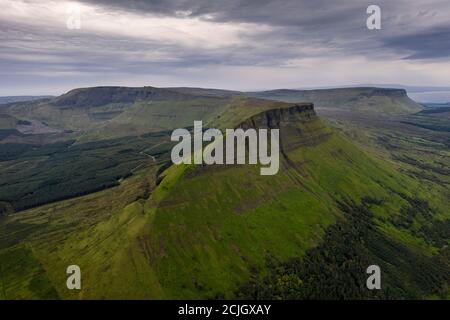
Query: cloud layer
point(235, 44)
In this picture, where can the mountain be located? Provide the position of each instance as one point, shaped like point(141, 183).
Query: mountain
point(420, 94)
point(374, 100)
point(99, 191)
point(436, 105)
point(152, 230)
point(112, 112)
point(90, 114)
point(12, 99)
point(100, 96)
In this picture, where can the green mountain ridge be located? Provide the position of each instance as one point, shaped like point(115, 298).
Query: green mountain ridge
point(98, 96)
point(97, 113)
point(364, 99)
point(14, 99)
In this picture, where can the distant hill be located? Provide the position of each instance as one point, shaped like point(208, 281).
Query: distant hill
point(373, 99)
point(435, 105)
point(10, 99)
point(364, 99)
point(440, 109)
point(207, 92)
point(99, 96)
point(432, 94)
point(110, 112)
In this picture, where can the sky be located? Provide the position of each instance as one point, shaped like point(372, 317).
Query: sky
point(232, 44)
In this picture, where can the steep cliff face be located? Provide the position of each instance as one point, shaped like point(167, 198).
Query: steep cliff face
point(298, 125)
point(281, 117)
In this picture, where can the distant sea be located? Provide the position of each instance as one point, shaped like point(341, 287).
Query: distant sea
point(430, 96)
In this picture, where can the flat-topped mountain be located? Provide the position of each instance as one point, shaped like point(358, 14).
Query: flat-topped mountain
point(12, 99)
point(111, 111)
point(365, 99)
point(99, 96)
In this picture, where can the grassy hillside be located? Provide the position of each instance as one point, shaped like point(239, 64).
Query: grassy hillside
point(216, 231)
point(36, 244)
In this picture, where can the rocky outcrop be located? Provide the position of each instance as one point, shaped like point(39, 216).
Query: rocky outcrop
point(280, 117)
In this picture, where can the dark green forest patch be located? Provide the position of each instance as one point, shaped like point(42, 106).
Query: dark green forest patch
point(336, 269)
point(417, 216)
point(35, 175)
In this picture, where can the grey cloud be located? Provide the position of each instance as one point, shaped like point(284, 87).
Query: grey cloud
point(298, 29)
point(340, 24)
point(428, 44)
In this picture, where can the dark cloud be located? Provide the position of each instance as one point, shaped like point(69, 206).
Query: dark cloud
point(293, 30)
point(274, 12)
point(433, 43)
point(340, 24)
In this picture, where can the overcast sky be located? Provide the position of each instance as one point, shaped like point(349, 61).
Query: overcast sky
point(230, 44)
